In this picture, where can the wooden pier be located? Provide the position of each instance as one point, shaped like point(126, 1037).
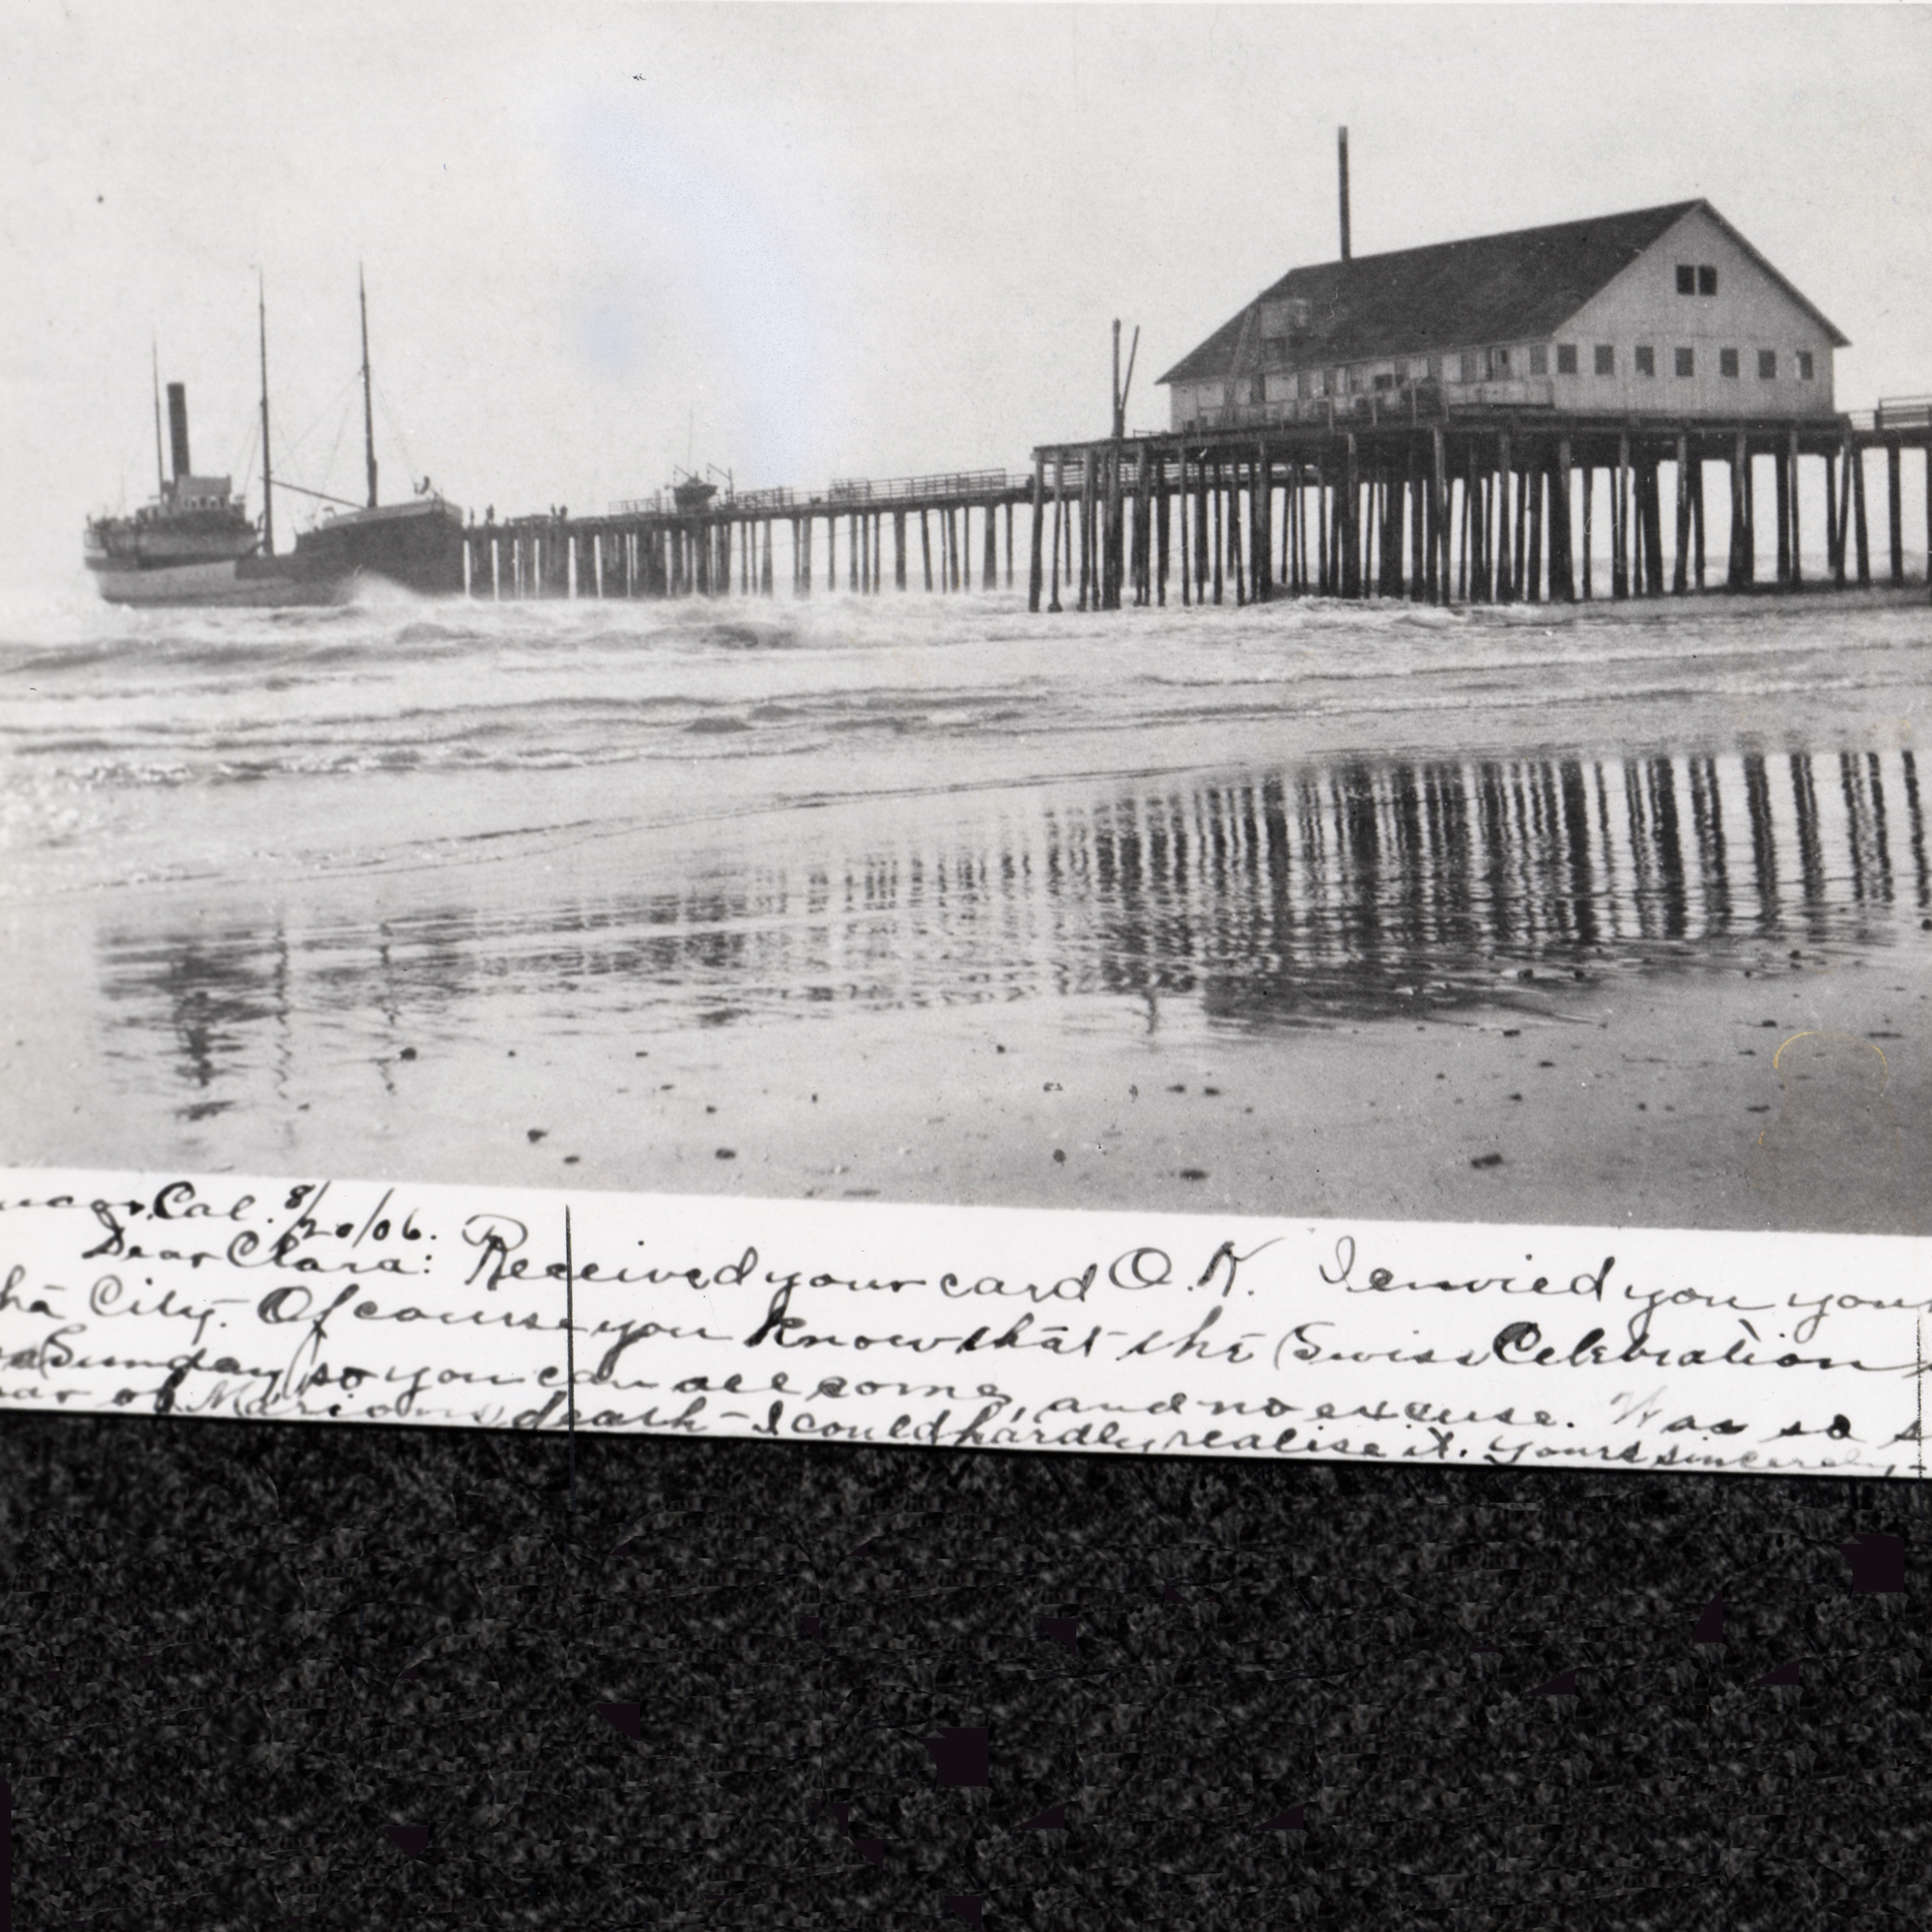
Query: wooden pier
point(665, 547)
point(1391, 499)
point(1383, 501)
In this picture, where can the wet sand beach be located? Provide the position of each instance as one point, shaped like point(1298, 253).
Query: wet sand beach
point(1795, 1099)
point(1558, 917)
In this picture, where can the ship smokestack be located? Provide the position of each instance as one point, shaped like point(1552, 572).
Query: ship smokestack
point(178, 426)
point(1342, 156)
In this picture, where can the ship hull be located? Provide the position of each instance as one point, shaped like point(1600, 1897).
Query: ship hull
point(416, 545)
point(243, 582)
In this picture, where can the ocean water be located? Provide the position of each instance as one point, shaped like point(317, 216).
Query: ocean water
point(237, 843)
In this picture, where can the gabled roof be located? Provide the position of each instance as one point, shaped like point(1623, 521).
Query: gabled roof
point(1494, 288)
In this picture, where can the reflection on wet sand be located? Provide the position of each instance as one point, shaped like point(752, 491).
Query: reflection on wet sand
point(1356, 891)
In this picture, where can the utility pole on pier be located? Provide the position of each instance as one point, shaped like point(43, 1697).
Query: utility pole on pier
point(1121, 389)
point(1112, 541)
point(1341, 158)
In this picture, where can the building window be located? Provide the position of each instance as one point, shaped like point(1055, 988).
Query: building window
point(1687, 279)
point(1687, 361)
point(1384, 381)
point(1707, 279)
point(1766, 365)
point(1539, 361)
point(1434, 368)
point(1468, 366)
point(1606, 359)
point(1566, 359)
point(1499, 363)
point(1727, 362)
point(1804, 365)
point(1304, 385)
point(1646, 360)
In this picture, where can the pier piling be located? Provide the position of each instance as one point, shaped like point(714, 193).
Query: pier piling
point(1858, 515)
point(1367, 499)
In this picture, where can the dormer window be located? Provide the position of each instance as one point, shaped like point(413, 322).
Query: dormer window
point(1285, 316)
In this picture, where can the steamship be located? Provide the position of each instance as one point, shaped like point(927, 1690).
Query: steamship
point(194, 543)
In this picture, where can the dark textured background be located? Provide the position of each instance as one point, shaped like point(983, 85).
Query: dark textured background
point(237, 1656)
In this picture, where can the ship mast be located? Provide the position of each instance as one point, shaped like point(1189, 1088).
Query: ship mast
point(267, 498)
point(368, 412)
point(160, 472)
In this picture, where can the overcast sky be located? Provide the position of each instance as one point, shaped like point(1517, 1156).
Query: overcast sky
point(802, 242)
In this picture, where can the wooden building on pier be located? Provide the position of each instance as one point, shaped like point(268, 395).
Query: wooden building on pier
point(1663, 312)
point(1449, 424)
point(1488, 420)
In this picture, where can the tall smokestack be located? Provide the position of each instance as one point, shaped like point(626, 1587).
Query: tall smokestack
point(1342, 154)
point(178, 426)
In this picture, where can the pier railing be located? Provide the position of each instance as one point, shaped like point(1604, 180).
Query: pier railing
point(974, 483)
point(951, 486)
point(1895, 412)
point(660, 503)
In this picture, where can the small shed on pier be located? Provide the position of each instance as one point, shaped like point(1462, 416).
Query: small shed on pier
point(1663, 311)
